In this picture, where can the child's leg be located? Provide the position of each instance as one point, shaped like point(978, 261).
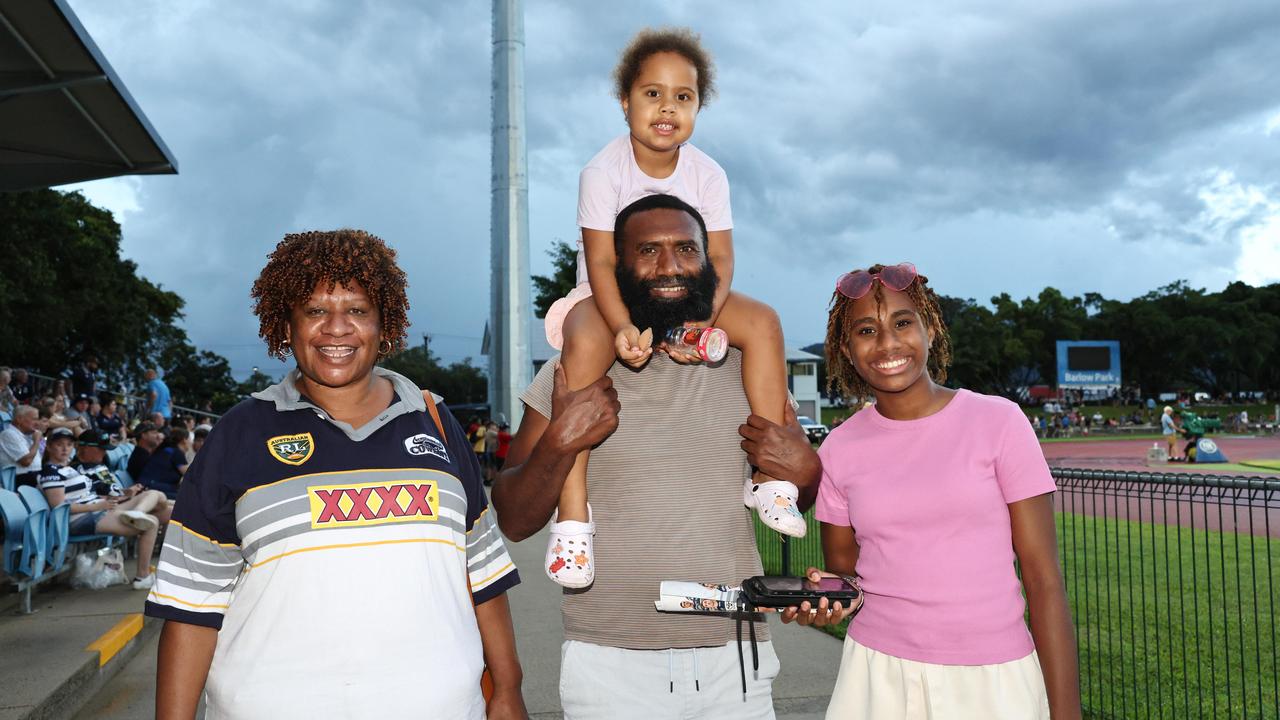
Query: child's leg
point(588, 354)
point(754, 328)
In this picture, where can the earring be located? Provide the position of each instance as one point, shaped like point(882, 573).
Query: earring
point(382, 352)
point(286, 350)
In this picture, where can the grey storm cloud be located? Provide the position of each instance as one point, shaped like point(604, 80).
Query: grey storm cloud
point(963, 135)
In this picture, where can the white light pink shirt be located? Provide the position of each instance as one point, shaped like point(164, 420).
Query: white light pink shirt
point(928, 500)
point(612, 180)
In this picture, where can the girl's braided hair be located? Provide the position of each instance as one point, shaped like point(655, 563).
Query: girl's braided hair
point(841, 374)
point(301, 261)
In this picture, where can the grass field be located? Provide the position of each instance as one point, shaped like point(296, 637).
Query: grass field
point(1171, 622)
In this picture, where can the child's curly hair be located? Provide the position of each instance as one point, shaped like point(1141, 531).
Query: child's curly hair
point(841, 373)
point(651, 41)
point(304, 260)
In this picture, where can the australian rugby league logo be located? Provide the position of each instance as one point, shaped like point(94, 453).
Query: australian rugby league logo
point(292, 449)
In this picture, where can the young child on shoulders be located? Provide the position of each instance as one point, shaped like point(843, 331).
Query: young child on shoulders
point(663, 80)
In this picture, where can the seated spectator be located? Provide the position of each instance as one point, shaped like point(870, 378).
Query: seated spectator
point(79, 409)
point(91, 460)
point(109, 419)
point(21, 443)
point(147, 439)
point(158, 419)
point(53, 412)
point(59, 393)
point(91, 513)
point(166, 466)
point(22, 387)
point(198, 438)
point(8, 403)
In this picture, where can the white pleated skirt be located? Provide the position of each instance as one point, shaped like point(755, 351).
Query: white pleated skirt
point(872, 684)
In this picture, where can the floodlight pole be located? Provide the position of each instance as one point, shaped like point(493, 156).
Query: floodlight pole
point(510, 362)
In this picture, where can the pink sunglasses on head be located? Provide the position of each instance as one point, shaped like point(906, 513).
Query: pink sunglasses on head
point(895, 277)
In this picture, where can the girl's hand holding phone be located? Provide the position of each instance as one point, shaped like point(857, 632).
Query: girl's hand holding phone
point(823, 612)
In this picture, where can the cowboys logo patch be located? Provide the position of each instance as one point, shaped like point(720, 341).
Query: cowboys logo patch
point(423, 444)
point(291, 449)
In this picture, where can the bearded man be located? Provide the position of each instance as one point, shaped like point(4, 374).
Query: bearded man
point(665, 482)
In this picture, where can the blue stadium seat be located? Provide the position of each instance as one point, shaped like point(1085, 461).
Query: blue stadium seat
point(5, 419)
point(8, 478)
point(125, 478)
point(58, 530)
point(24, 537)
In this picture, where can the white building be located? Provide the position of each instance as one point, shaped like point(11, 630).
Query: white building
point(802, 367)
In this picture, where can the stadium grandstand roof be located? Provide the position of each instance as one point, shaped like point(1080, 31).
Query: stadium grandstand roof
point(65, 116)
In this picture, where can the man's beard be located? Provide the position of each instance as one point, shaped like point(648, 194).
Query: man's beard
point(660, 314)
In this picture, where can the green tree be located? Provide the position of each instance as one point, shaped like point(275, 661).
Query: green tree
point(458, 383)
point(66, 292)
point(563, 278)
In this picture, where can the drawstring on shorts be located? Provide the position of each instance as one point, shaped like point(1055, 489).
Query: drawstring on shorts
point(755, 657)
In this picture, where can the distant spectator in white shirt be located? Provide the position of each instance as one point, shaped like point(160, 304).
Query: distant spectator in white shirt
point(21, 444)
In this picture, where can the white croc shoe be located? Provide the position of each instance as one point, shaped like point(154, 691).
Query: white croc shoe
point(570, 561)
point(775, 501)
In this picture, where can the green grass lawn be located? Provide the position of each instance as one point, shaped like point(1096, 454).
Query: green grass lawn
point(1170, 622)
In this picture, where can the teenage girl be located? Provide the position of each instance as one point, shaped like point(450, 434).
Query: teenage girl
point(929, 496)
point(663, 79)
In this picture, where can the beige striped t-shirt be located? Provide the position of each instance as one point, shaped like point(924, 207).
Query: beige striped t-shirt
point(666, 493)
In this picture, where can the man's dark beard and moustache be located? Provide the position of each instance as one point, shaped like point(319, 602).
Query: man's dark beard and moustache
point(662, 315)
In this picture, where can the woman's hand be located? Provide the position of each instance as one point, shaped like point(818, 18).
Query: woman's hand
point(633, 347)
point(506, 706)
point(823, 613)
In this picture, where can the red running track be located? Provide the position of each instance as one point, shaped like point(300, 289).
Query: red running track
point(1132, 454)
point(1247, 511)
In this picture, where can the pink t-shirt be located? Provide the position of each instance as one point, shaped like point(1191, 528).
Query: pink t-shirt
point(612, 181)
point(928, 500)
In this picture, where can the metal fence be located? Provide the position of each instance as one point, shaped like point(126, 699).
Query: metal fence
point(1173, 580)
point(134, 406)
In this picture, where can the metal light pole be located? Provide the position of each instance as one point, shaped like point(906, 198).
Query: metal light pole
point(510, 363)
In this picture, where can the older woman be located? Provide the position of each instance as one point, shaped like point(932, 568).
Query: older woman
point(347, 514)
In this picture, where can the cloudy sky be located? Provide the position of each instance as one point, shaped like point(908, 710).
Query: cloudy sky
point(1103, 146)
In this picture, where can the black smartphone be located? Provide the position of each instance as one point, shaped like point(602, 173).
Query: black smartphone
point(778, 591)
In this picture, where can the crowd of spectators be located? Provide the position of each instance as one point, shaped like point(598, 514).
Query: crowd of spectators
point(56, 435)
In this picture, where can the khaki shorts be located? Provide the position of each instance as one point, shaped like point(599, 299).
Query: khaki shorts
point(875, 685)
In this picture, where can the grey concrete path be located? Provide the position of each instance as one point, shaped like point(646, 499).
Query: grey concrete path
point(809, 658)
point(45, 669)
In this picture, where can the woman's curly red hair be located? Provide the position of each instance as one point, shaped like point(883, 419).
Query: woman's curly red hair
point(301, 261)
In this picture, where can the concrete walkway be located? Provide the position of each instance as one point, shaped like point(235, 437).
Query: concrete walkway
point(54, 659)
point(48, 671)
point(810, 658)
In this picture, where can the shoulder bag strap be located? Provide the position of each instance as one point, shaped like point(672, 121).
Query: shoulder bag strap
point(486, 679)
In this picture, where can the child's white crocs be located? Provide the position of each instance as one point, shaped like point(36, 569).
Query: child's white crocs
point(570, 560)
point(775, 501)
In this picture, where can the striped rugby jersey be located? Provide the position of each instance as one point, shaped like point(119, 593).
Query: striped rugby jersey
point(335, 561)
